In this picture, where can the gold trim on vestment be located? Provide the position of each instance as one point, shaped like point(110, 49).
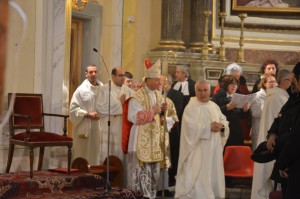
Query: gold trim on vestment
point(148, 147)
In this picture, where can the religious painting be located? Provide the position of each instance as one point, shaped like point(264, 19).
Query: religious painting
point(287, 6)
point(261, 17)
point(213, 73)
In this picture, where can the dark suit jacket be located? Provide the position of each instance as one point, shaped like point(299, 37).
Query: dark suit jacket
point(290, 155)
point(287, 128)
point(174, 136)
point(177, 99)
point(191, 87)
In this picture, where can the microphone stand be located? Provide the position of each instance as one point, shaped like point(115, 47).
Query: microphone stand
point(107, 185)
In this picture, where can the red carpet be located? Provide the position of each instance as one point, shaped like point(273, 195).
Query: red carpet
point(46, 184)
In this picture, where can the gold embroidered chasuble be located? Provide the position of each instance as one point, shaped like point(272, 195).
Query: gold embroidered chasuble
point(148, 147)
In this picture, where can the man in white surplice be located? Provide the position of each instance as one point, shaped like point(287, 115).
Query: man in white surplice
point(204, 133)
point(119, 93)
point(85, 119)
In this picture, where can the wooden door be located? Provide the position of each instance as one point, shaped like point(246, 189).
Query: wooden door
point(75, 60)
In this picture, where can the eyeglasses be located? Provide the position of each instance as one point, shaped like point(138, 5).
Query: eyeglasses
point(120, 75)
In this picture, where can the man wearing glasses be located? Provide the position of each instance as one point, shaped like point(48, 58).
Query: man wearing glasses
point(117, 96)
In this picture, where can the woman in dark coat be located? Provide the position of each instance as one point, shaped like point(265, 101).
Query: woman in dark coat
point(234, 115)
point(236, 70)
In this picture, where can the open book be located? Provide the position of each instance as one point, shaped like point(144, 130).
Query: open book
point(240, 99)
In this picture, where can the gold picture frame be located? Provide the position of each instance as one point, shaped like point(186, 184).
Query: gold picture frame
point(248, 6)
point(280, 21)
point(213, 73)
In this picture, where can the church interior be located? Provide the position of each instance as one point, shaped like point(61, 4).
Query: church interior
point(46, 45)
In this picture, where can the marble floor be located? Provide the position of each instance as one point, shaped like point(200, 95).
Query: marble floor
point(241, 189)
point(231, 193)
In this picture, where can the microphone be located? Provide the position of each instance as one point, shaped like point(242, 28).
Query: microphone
point(96, 51)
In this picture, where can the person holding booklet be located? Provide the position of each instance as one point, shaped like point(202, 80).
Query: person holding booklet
point(239, 99)
point(233, 113)
point(237, 71)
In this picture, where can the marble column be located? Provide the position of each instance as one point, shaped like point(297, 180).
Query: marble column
point(198, 25)
point(172, 26)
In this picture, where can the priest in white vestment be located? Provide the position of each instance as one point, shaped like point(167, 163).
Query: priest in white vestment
point(85, 119)
point(276, 97)
point(119, 93)
point(204, 133)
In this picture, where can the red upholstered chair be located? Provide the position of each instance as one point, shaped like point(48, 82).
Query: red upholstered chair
point(28, 115)
point(238, 162)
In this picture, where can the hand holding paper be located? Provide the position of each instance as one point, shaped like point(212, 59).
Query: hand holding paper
point(240, 100)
